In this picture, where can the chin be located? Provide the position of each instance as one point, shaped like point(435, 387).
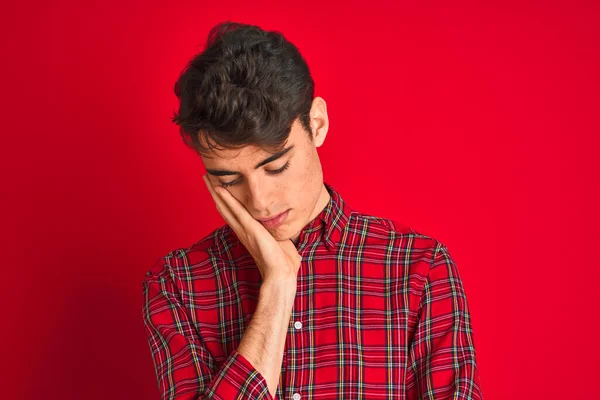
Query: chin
point(283, 232)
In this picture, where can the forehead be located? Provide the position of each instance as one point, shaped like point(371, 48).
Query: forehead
point(250, 152)
point(240, 154)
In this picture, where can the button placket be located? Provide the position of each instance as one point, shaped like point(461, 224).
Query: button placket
point(297, 325)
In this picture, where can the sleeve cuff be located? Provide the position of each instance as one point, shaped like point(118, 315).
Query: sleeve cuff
point(239, 379)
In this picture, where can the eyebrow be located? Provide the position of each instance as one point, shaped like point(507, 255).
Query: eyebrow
point(222, 172)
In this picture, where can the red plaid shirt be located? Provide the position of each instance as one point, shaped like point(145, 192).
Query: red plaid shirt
point(380, 313)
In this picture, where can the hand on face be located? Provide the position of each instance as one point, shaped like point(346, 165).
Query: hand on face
point(276, 259)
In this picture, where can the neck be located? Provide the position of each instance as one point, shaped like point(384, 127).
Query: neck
point(322, 202)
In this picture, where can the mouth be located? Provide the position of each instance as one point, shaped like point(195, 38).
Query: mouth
point(270, 218)
point(275, 221)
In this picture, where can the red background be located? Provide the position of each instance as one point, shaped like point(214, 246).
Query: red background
point(475, 124)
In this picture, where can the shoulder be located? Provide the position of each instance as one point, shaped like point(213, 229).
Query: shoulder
point(399, 237)
point(198, 259)
point(384, 227)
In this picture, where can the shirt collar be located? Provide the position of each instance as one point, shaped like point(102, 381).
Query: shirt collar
point(329, 225)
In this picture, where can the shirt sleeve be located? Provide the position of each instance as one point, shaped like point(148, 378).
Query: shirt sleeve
point(442, 353)
point(183, 366)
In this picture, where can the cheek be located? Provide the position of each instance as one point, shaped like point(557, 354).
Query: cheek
point(306, 186)
point(300, 180)
point(306, 168)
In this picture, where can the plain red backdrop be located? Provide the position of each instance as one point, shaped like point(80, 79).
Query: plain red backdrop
point(474, 124)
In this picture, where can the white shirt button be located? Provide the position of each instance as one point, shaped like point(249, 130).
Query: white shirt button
point(296, 396)
point(297, 325)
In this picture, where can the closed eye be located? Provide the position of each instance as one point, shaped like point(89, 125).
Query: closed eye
point(270, 172)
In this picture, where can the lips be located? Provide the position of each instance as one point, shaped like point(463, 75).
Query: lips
point(275, 221)
point(269, 219)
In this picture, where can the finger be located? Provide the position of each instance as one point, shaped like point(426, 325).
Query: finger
point(237, 208)
point(222, 207)
point(219, 202)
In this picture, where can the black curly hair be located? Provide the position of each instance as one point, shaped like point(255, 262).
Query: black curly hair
point(248, 86)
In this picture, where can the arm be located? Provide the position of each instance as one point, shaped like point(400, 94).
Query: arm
point(442, 353)
point(264, 339)
point(184, 368)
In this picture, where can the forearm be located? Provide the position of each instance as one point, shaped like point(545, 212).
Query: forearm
point(264, 339)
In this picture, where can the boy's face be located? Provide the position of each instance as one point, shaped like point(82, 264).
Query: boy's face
point(293, 182)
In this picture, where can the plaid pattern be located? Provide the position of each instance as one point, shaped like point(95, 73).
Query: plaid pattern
point(380, 313)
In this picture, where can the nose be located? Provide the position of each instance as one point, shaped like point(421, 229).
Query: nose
point(258, 198)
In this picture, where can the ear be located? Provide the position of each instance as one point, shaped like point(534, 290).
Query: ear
point(319, 122)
